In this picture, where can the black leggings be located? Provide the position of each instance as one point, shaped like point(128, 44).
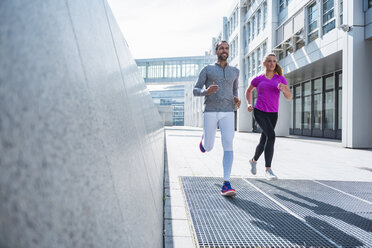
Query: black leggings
point(267, 122)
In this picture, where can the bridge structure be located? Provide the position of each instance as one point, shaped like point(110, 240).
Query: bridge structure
point(170, 82)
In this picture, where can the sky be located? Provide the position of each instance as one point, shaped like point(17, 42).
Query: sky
point(170, 28)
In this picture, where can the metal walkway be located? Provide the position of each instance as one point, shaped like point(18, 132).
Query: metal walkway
point(284, 213)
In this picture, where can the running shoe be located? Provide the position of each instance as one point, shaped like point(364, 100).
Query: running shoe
point(201, 147)
point(253, 166)
point(227, 190)
point(270, 175)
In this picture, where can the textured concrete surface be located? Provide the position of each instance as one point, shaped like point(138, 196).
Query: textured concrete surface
point(81, 143)
point(294, 158)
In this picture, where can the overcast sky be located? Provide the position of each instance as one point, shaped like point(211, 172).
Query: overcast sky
point(170, 28)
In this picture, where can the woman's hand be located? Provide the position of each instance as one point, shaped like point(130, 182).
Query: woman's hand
point(284, 88)
point(250, 108)
point(281, 86)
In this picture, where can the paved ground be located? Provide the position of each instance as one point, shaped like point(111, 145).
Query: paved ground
point(294, 158)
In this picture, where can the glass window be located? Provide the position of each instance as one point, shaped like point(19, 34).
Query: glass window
point(313, 22)
point(281, 5)
point(339, 106)
point(317, 103)
point(369, 3)
point(253, 64)
point(291, 104)
point(298, 107)
point(253, 27)
point(297, 116)
point(258, 60)
point(328, 16)
point(258, 21)
point(248, 32)
point(329, 84)
point(264, 15)
point(341, 11)
point(329, 112)
point(249, 66)
point(318, 86)
point(264, 49)
point(245, 35)
point(306, 122)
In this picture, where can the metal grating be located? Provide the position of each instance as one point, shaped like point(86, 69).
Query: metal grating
point(248, 220)
point(345, 220)
point(359, 189)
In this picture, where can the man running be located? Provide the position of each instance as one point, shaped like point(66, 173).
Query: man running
point(221, 95)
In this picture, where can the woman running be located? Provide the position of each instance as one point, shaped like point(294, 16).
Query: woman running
point(265, 112)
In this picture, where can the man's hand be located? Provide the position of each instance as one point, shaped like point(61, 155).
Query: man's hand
point(237, 102)
point(212, 89)
point(250, 108)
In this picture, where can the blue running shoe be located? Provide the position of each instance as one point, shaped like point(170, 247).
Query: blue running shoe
point(201, 147)
point(227, 190)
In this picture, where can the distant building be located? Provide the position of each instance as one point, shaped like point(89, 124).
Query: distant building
point(170, 82)
point(325, 49)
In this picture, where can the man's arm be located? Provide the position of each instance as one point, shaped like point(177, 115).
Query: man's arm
point(198, 87)
point(235, 91)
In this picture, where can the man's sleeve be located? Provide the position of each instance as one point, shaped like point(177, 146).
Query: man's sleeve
point(236, 86)
point(198, 87)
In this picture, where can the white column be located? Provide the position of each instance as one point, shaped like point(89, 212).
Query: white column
point(357, 80)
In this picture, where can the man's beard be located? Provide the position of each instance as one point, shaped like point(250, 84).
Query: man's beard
point(220, 57)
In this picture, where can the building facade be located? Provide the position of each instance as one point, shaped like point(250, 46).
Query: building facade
point(324, 48)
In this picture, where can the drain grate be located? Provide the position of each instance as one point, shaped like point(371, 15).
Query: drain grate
point(248, 220)
point(341, 218)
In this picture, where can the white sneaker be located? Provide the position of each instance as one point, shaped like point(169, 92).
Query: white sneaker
point(270, 175)
point(253, 167)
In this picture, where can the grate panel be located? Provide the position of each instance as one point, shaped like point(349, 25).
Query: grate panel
point(343, 219)
point(359, 189)
point(248, 220)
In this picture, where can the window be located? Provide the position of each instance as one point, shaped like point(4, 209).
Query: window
point(306, 120)
point(248, 32)
point(317, 92)
point(249, 66)
point(281, 5)
point(299, 39)
point(329, 100)
point(244, 36)
point(298, 107)
point(258, 60)
point(258, 21)
point(264, 49)
point(313, 22)
point(369, 3)
point(253, 26)
point(339, 105)
point(264, 15)
point(341, 11)
point(328, 16)
point(253, 64)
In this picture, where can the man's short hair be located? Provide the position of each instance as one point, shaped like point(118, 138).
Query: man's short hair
point(219, 43)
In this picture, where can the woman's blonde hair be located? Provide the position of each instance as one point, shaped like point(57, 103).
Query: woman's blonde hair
point(278, 69)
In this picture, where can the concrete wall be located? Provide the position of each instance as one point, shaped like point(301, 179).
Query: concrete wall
point(356, 81)
point(81, 143)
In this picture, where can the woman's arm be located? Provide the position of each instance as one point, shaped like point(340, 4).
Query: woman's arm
point(286, 91)
point(248, 97)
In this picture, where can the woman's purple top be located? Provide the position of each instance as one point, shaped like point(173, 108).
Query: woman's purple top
point(268, 92)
